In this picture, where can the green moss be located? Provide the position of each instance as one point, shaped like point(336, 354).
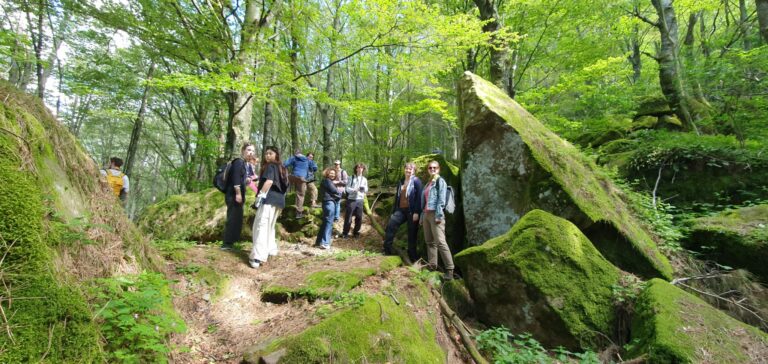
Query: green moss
point(736, 237)
point(389, 263)
point(322, 284)
point(214, 279)
point(673, 326)
point(556, 261)
point(378, 331)
point(585, 184)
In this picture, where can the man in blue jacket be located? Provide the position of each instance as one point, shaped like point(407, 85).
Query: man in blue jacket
point(300, 167)
point(407, 208)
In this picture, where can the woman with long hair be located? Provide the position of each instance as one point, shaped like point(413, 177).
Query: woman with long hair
point(433, 201)
point(330, 197)
point(273, 183)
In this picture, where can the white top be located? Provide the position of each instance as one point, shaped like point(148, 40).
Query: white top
point(353, 189)
point(116, 172)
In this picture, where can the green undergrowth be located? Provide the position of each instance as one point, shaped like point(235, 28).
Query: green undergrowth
point(137, 317)
point(503, 347)
point(322, 284)
point(174, 250)
point(377, 330)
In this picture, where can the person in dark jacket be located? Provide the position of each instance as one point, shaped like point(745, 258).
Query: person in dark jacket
point(406, 209)
point(330, 196)
point(234, 196)
point(273, 184)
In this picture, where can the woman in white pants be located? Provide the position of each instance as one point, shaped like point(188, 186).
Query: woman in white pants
point(273, 183)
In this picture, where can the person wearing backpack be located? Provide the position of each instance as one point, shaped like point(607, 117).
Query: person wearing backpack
point(300, 166)
point(116, 179)
point(234, 196)
point(406, 209)
point(433, 200)
point(273, 184)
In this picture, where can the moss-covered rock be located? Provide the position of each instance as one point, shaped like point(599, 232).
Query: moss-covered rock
point(738, 238)
point(513, 164)
point(673, 326)
point(378, 331)
point(543, 277)
point(655, 105)
point(60, 228)
point(645, 122)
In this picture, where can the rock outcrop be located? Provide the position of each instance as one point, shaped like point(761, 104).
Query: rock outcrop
point(512, 164)
point(543, 277)
point(738, 238)
point(673, 326)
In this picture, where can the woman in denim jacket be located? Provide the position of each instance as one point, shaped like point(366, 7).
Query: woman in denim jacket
point(433, 219)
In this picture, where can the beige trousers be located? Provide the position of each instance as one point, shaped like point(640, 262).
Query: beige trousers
point(434, 236)
point(264, 233)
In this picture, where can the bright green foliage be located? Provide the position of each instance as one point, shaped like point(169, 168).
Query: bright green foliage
point(377, 331)
point(505, 348)
point(137, 317)
point(673, 326)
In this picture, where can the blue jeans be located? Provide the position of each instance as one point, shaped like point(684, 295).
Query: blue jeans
point(326, 228)
point(338, 211)
point(398, 218)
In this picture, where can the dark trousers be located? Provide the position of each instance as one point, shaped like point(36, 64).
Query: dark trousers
point(354, 208)
point(234, 225)
point(399, 217)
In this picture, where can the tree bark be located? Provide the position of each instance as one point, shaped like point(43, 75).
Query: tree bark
point(762, 18)
point(670, 69)
point(294, 112)
point(744, 25)
point(137, 125)
point(497, 52)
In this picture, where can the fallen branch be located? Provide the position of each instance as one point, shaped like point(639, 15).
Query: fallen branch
point(726, 300)
point(369, 213)
point(466, 337)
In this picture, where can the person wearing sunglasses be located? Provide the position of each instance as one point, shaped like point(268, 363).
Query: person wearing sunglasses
point(433, 219)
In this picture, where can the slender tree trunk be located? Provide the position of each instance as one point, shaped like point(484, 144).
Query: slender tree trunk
point(703, 39)
point(744, 25)
point(689, 38)
point(762, 18)
point(497, 53)
point(670, 69)
point(268, 121)
point(137, 125)
point(294, 117)
point(635, 56)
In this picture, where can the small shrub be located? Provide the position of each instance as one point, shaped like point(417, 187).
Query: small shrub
point(503, 347)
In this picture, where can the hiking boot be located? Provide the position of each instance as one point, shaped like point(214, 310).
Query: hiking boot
point(356, 235)
point(226, 247)
point(254, 263)
point(448, 275)
point(345, 236)
point(299, 215)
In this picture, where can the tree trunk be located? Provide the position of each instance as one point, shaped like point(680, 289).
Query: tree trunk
point(670, 70)
point(497, 52)
point(762, 18)
point(635, 56)
point(689, 38)
point(294, 112)
point(268, 121)
point(137, 126)
point(744, 24)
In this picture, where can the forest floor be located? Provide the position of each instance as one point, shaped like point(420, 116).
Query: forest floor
point(225, 320)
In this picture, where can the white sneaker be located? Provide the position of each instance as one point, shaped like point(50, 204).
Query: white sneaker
point(254, 263)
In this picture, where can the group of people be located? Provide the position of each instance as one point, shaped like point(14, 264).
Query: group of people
point(417, 203)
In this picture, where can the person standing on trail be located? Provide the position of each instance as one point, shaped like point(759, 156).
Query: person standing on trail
point(356, 190)
point(116, 179)
point(234, 196)
point(251, 166)
point(330, 196)
point(311, 180)
point(300, 166)
point(273, 184)
point(406, 209)
point(340, 181)
point(433, 200)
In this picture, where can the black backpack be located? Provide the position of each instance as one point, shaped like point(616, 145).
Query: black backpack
point(220, 178)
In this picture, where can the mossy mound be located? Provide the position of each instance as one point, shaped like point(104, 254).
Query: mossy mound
point(655, 105)
point(673, 326)
point(59, 228)
point(512, 164)
point(543, 277)
point(325, 284)
point(378, 331)
point(201, 216)
point(738, 238)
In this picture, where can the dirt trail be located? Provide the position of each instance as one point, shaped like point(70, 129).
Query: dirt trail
point(221, 326)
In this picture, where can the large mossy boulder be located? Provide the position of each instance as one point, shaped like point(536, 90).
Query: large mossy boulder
point(673, 326)
point(543, 277)
point(59, 229)
point(737, 238)
point(512, 164)
point(376, 331)
point(201, 216)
